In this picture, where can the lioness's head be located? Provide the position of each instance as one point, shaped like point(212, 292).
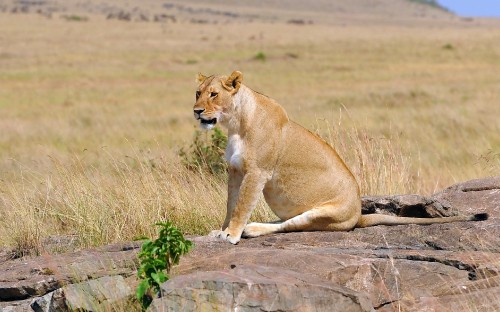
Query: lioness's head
point(214, 97)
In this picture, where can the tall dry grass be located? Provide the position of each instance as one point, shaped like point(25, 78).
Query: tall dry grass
point(379, 163)
point(125, 196)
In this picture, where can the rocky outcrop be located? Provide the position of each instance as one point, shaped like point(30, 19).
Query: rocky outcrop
point(94, 295)
point(22, 280)
point(257, 288)
point(440, 267)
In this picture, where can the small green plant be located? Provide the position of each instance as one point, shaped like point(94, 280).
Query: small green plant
point(448, 46)
point(206, 154)
point(260, 56)
point(75, 18)
point(157, 258)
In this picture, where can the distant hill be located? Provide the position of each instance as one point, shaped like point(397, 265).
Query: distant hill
point(432, 3)
point(222, 11)
point(325, 10)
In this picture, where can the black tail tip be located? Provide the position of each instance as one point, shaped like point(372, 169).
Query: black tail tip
point(480, 217)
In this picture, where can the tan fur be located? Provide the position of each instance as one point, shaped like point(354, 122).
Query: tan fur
point(304, 181)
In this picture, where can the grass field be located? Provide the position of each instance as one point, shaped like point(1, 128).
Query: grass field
point(93, 114)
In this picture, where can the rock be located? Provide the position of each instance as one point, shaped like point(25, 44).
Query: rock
point(256, 288)
point(411, 205)
point(135, 15)
point(164, 18)
point(24, 278)
point(388, 275)
point(16, 306)
point(407, 267)
point(120, 15)
point(449, 202)
point(90, 295)
point(53, 301)
point(471, 197)
point(94, 295)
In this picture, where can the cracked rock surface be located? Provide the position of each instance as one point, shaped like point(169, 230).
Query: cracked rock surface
point(257, 288)
point(440, 267)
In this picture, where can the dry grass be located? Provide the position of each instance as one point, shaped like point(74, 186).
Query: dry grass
point(119, 203)
point(378, 163)
point(94, 113)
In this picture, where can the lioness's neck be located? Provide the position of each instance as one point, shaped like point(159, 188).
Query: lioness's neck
point(241, 111)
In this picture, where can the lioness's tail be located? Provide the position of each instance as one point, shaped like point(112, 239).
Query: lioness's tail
point(380, 219)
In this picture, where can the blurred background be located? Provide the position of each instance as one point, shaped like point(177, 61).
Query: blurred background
point(97, 137)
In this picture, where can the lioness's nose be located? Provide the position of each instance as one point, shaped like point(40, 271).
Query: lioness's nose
point(198, 111)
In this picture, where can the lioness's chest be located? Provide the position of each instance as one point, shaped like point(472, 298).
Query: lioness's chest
point(234, 152)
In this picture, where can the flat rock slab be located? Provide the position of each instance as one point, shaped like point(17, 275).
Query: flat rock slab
point(407, 267)
point(257, 288)
point(25, 278)
point(94, 295)
point(387, 275)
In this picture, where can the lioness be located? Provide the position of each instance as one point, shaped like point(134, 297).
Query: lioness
point(304, 181)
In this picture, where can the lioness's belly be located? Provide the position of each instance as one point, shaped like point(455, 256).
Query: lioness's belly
point(281, 204)
point(289, 196)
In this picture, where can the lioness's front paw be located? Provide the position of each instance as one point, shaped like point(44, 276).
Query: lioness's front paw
point(215, 233)
point(225, 235)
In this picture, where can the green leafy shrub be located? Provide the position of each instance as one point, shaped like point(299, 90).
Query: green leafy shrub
point(206, 154)
point(448, 46)
point(157, 258)
point(260, 56)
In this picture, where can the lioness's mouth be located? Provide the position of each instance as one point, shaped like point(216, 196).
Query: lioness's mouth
point(212, 121)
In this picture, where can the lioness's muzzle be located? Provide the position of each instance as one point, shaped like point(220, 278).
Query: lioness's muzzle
point(212, 121)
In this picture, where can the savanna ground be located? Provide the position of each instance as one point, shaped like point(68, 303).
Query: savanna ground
point(94, 113)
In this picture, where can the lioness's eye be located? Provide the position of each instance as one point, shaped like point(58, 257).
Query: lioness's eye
point(213, 94)
point(198, 93)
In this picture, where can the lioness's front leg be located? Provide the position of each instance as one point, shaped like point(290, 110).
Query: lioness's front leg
point(233, 190)
point(251, 186)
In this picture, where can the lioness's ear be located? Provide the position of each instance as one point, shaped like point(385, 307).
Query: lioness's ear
point(201, 78)
point(233, 82)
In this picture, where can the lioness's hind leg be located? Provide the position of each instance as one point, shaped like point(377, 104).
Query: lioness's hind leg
point(313, 220)
point(255, 229)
